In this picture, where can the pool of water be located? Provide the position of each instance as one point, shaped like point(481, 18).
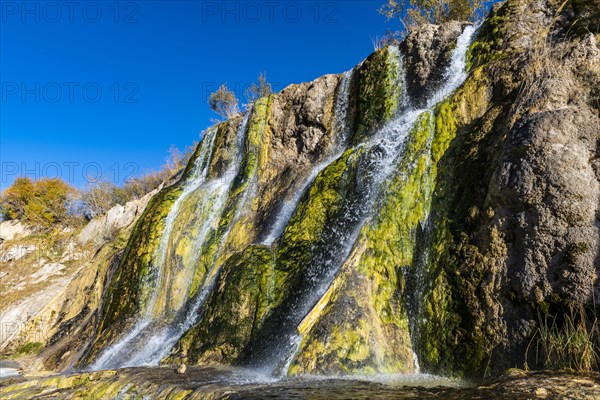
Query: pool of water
point(230, 383)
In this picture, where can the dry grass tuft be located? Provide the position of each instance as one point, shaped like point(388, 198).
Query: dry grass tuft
point(571, 344)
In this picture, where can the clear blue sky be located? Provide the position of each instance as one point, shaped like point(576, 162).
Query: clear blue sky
point(109, 86)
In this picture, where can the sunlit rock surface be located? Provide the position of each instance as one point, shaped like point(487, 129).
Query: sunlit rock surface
point(418, 213)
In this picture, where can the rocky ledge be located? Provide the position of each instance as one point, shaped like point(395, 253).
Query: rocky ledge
point(210, 383)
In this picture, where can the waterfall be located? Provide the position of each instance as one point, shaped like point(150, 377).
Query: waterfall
point(385, 151)
point(199, 173)
point(341, 108)
point(454, 76)
point(341, 133)
point(154, 334)
point(288, 207)
point(159, 345)
point(274, 351)
point(161, 324)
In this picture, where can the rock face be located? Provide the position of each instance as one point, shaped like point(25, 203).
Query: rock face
point(516, 213)
point(428, 52)
point(10, 230)
point(404, 211)
point(102, 229)
point(52, 286)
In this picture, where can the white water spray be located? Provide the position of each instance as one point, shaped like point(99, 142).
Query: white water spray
point(391, 140)
point(151, 339)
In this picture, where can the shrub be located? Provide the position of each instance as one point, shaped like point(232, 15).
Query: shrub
point(256, 91)
point(47, 202)
point(224, 102)
point(16, 197)
point(100, 196)
point(42, 203)
point(97, 198)
point(414, 13)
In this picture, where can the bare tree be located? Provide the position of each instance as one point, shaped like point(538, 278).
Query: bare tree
point(224, 102)
point(256, 91)
point(414, 13)
point(97, 198)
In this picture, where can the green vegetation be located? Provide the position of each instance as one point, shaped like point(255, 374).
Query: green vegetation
point(30, 348)
point(44, 203)
point(378, 90)
point(567, 341)
point(235, 308)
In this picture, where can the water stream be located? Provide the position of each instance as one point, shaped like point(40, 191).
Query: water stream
point(341, 133)
point(385, 151)
point(155, 333)
point(159, 328)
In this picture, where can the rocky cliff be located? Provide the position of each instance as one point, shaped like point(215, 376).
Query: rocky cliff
point(422, 210)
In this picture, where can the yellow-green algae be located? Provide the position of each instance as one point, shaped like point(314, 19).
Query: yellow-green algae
point(235, 308)
point(378, 90)
point(216, 248)
point(127, 292)
point(252, 282)
point(460, 274)
point(364, 326)
point(376, 337)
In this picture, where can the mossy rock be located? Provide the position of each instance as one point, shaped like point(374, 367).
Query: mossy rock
point(376, 87)
point(236, 307)
point(488, 45)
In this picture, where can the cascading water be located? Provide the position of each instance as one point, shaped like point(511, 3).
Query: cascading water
point(155, 333)
point(272, 351)
point(454, 76)
point(341, 134)
point(288, 207)
point(385, 151)
point(342, 102)
point(274, 345)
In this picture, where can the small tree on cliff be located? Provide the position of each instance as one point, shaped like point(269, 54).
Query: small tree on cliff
point(256, 91)
point(224, 102)
point(414, 13)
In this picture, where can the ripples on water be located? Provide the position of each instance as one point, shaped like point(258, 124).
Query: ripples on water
point(238, 383)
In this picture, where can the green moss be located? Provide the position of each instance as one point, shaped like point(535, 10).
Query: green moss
point(212, 251)
point(343, 349)
point(235, 309)
point(445, 130)
point(30, 348)
point(223, 148)
point(378, 92)
point(128, 289)
point(125, 294)
point(256, 126)
point(487, 46)
point(391, 236)
point(456, 337)
point(323, 201)
point(458, 327)
point(363, 326)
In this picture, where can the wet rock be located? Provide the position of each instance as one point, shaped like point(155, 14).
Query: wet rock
point(426, 56)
